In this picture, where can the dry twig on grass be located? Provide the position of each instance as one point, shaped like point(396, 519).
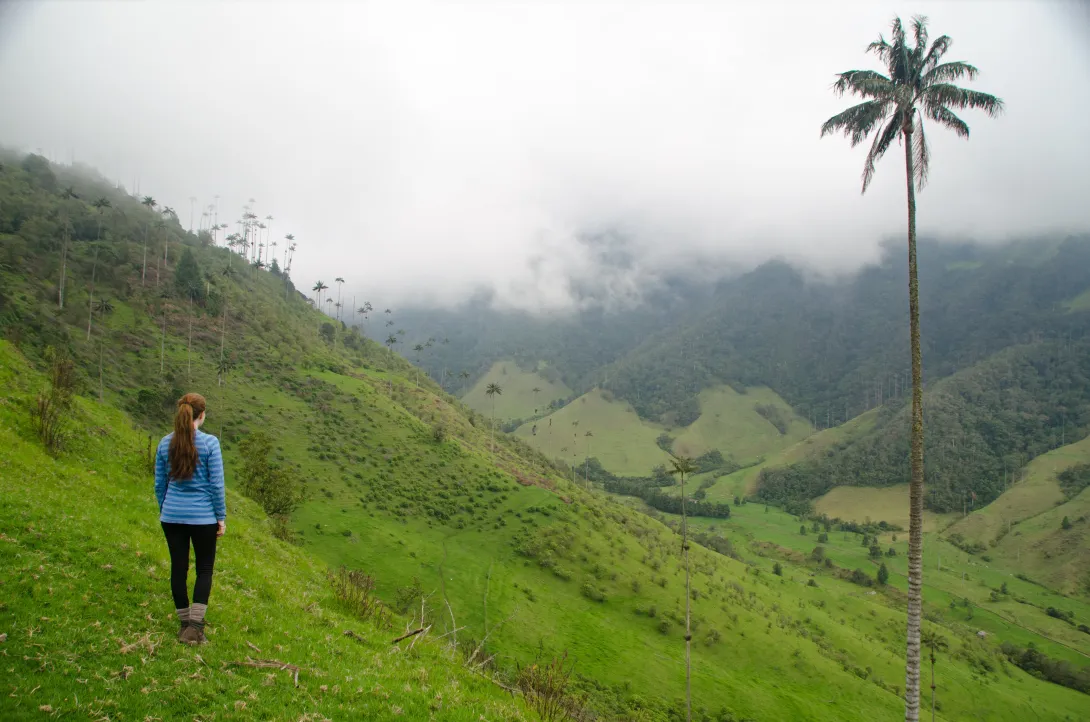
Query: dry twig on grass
point(409, 634)
point(271, 664)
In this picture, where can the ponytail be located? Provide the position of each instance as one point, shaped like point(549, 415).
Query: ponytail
point(183, 448)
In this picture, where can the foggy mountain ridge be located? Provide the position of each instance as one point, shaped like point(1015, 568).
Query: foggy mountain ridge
point(543, 125)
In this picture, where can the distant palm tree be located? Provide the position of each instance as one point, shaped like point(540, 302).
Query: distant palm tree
point(934, 641)
point(268, 235)
point(149, 203)
point(683, 466)
point(168, 213)
point(464, 376)
point(101, 204)
point(586, 460)
point(319, 287)
point(390, 341)
point(917, 86)
point(418, 349)
point(340, 282)
point(492, 391)
point(536, 392)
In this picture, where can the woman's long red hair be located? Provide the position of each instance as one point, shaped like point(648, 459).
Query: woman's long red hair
point(183, 447)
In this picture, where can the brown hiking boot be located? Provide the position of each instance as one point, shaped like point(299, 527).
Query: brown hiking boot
point(193, 634)
point(181, 631)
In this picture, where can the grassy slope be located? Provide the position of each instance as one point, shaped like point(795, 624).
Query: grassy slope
point(453, 517)
point(518, 400)
point(1037, 492)
point(949, 574)
point(1024, 524)
point(622, 441)
point(85, 569)
point(1042, 549)
point(728, 422)
point(870, 503)
point(625, 444)
point(743, 482)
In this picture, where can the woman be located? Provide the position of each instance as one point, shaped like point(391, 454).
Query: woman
point(189, 489)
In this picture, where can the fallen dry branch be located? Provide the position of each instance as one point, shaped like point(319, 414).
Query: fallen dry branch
point(352, 635)
point(145, 642)
point(409, 634)
point(269, 664)
point(422, 635)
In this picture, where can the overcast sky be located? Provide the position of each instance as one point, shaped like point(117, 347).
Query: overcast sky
point(423, 151)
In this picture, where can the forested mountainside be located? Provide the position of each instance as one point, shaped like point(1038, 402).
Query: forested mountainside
point(486, 539)
point(831, 348)
point(982, 425)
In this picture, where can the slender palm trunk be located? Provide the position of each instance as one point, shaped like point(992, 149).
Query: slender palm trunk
point(163, 345)
point(189, 349)
point(64, 268)
point(932, 684)
point(223, 339)
point(688, 602)
point(91, 296)
point(144, 267)
point(100, 372)
point(492, 438)
point(915, 489)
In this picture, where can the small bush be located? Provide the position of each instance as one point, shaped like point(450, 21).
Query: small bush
point(51, 412)
point(355, 591)
point(592, 592)
point(439, 433)
point(546, 686)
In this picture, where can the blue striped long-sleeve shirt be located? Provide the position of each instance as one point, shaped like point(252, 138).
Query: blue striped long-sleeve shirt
point(198, 500)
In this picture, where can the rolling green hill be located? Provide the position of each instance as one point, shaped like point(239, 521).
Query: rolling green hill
point(494, 547)
point(518, 400)
point(87, 626)
point(730, 422)
point(622, 441)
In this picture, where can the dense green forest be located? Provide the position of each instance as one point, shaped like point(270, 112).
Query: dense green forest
point(982, 425)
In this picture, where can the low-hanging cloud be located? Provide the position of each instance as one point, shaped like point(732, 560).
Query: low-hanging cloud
point(425, 152)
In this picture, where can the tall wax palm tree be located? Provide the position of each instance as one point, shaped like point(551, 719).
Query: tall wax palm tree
point(536, 392)
point(268, 236)
point(464, 376)
point(101, 204)
point(390, 341)
point(418, 349)
point(340, 282)
point(493, 390)
point(149, 203)
point(916, 87)
point(683, 466)
point(168, 213)
point(934, 641)
point(319, 287)
point(586, 460)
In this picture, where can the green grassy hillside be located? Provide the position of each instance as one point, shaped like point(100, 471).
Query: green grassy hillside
point(729, 421)
point(518, 400)
point(744, 481)
point(87, 626)
point(622, 441)
point(868, 503)
point(403, 483)
point(1030, 493)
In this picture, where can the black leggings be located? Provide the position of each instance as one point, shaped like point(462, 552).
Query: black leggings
point(203, 537)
